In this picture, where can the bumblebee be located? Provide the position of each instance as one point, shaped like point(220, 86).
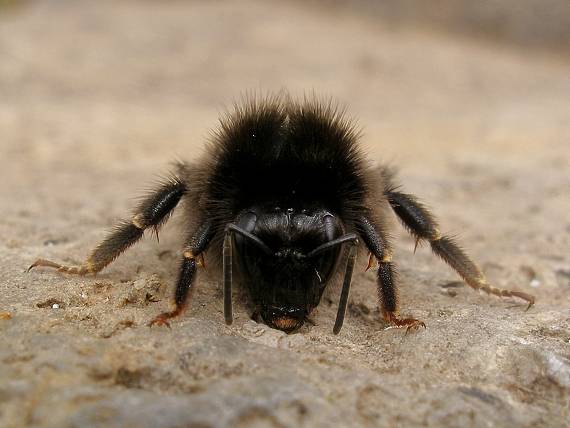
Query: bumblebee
point(284, 196)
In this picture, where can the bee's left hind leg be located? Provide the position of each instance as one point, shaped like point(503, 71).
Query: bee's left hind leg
point(423, 226)
point(151, 213)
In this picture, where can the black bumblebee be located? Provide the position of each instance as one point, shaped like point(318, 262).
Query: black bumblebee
point(285, 195)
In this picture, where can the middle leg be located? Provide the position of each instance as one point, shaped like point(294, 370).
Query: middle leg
point(192, 258)
point(387, 288)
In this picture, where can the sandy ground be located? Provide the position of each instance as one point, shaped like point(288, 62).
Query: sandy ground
point(95, 101)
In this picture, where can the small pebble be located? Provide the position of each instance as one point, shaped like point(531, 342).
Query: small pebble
point(535, 283)
point(55, 306)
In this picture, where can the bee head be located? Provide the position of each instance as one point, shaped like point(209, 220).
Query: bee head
point(286, 264)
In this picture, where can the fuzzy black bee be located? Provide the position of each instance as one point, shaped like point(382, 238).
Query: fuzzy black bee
point(284, 194)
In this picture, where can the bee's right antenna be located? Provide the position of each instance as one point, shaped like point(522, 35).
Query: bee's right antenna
point(227, 266)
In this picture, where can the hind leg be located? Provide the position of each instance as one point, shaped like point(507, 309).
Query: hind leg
point(151, 213)
point(423, 226)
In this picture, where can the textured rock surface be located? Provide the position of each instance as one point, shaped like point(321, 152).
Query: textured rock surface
point(95, 100)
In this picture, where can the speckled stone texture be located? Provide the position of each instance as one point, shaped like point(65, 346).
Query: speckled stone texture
point(96, 98)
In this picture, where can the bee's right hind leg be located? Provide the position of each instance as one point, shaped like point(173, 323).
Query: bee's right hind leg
point(151, 212)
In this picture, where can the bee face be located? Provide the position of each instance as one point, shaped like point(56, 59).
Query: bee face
point(286, 283)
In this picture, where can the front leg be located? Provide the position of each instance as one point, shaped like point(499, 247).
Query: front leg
point(192, 258)
point(387, 287)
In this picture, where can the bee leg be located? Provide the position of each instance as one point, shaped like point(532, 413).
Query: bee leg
point(192, 255)
point(423, 226)
point(377, 244)
point(151, 212)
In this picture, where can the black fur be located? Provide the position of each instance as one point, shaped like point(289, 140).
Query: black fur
point(278, 153)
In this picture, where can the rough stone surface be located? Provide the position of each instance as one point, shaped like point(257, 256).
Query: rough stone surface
point(97, 97)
